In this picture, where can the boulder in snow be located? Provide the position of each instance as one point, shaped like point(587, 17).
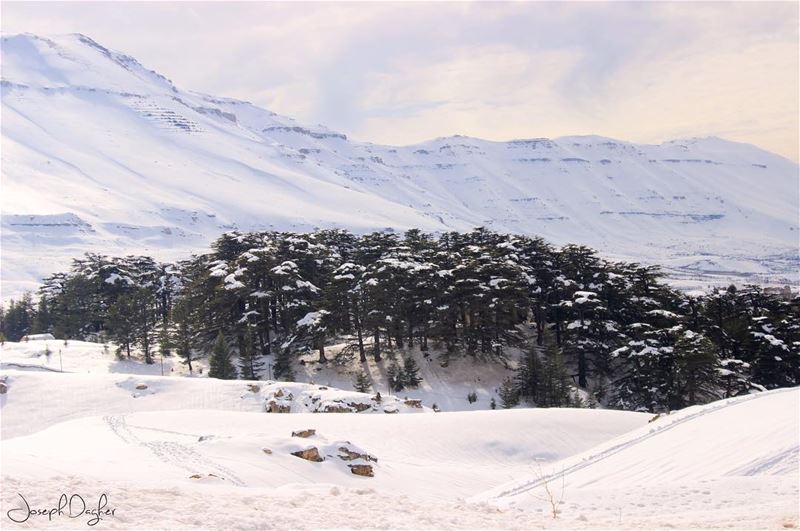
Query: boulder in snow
point(348, 454)
point(309, 454)
point(273, 406)
point(336, 407)
point(359, 406)
point(362, 470)
point(305, 434)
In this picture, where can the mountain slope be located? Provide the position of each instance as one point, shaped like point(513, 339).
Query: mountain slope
point(718, 458)
point(100, 153)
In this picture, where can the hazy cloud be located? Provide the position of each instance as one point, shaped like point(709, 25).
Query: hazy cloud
point(404, 72)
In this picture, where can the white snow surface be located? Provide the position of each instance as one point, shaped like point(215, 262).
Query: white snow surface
point(101, 154)
point(199, 453)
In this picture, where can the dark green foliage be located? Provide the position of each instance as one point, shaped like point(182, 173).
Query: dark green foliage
point(121, 327)
point(362, 382)
point(610, 326)
point(183, 333)
point(18, 318)
point(509, 396)
point(394, 377)
point(250, 363)
point(220, 364)
point(410, 373)
point(282, 370)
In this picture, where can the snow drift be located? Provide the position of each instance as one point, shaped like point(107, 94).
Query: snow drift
point(192, 446)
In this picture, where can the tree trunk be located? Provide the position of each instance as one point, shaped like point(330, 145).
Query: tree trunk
point(582, 369)
point(376, 347)
point(321, 347)
point(361, 354)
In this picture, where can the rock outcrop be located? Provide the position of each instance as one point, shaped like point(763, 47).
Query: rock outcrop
point(362, 470)
point(309, 454)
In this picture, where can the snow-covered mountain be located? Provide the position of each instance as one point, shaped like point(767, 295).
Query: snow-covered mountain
point(101, 154)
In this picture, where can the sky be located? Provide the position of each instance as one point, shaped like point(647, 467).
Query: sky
point(401, 73)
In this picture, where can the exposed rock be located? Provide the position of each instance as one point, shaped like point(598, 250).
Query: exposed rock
point(267, 451)
point(412, 402)
point(278, 403)
point(362, 470)
point(205, 438)
point(3, 388)
point(305, 434)
point(359, 406)
point(390, 409)
point(336, 408)
point(141, 387)
point(253, 388)
point(350, 455)
point(195, 476)
point(322, 388)
point(309, 454)
point(273, 406)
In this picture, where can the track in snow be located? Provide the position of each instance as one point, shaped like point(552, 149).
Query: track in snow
point(171, 452)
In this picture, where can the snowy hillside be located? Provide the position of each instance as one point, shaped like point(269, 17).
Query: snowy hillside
point(101, 154)
point(714, 462)
point(202, 453)
point(446, 389)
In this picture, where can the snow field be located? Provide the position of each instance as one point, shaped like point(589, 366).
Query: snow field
point(193, 452)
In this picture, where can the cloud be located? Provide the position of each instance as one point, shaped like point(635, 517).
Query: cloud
point(404, 72)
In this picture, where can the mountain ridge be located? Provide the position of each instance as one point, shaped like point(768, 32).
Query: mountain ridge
point(93, 135)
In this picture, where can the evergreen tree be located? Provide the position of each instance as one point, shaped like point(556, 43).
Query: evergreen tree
point(121, 327)
point(509, 396)
point(250, 363)
point(394, 377)
point(282, 370)
point(617, 326)
point(144, 321)
point(165, 335)
point(529, 376)
point(695, 372)
point(555, 388)
point(410, 373)
point(183, 333)
point(220, 365)
point(362, 382)
point(18, 318)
